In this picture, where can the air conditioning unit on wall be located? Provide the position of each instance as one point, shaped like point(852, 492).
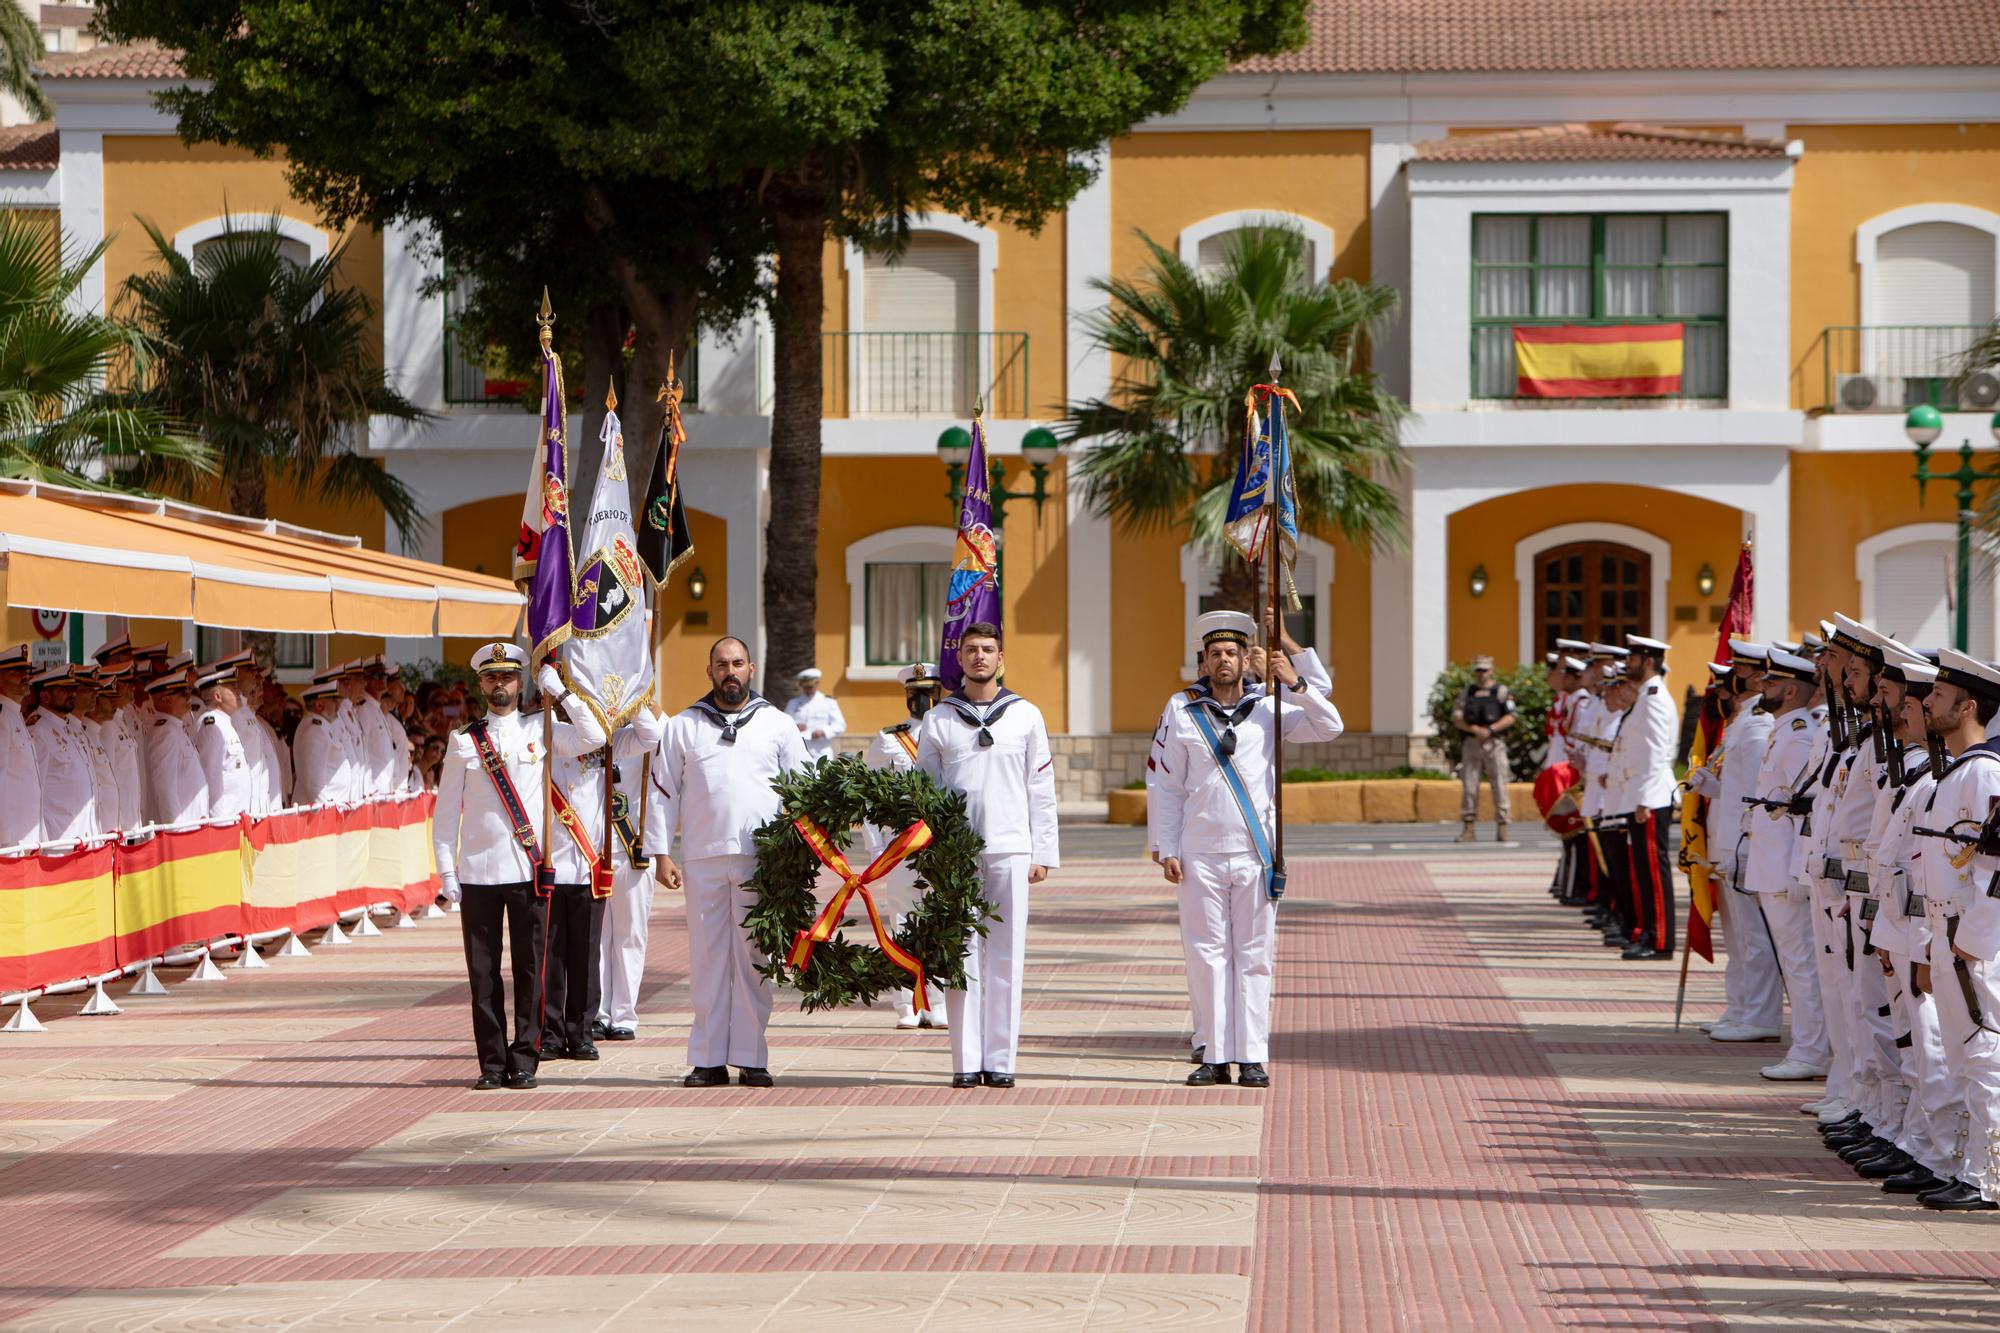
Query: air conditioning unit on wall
point(1979, 392)
point(1867, 393)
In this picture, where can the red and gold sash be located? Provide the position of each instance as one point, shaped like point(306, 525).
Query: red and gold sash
point(912, 839)
point(600, 873)
point(907, 741)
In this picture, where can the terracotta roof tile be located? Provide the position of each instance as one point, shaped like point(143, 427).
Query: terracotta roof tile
point(28, 147)
point(1624, 142)
point(1486, 36)
point(137, 60)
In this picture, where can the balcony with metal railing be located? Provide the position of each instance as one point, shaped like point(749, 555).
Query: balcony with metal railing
point(1891, 368)
point(924, 374)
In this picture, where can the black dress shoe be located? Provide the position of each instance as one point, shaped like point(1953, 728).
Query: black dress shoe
point(1643, 953)
point(1885, 1165)
point(1194, 1056)
point(1916, 1180)
point(583, 1050)
point(997, 1080)
point(598, 1028)
point(1854, 1152)
point(1852, 1137)
point(618, 1034)
point(486, 1083)
point(1207, 1076)
point(1959, 1198)
point(1846, 1122)
point(1253, 1076)
point(965, 1080)
point(521, 1082)
point(755, 1078)
point(706, 1076)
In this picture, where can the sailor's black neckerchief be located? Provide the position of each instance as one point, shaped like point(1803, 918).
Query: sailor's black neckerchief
point(982, 716)
point(713, 711)
point(1916, 763)
point(1228, 718)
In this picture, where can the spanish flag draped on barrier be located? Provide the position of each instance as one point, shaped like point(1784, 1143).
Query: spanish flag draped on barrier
point(84, 913)
point(1598, 360)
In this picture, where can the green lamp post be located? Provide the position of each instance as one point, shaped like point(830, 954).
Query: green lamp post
point(1039, 447)
point(1923, 426)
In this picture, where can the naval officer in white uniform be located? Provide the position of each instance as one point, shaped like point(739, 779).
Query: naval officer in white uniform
point(712, 781)
point(990, 743)
point(817, 716)
point(21, 811)
point(1215, 839)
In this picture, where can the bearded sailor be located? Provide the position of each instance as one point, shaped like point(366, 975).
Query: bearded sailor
point(990, 743)
point(176, 790)
point(1215, 828)
point(319, 754)
point(68, 781)
point(712, 781)
point(893, 749)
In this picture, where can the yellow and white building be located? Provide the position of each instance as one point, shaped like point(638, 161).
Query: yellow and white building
point(1814, 194)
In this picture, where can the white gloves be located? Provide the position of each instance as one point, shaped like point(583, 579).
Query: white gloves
point(1703, 782)
point(549, 683)
point(448, 885)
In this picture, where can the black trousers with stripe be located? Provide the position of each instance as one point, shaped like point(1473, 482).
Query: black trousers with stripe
point(482, 912)
point(1652, 879)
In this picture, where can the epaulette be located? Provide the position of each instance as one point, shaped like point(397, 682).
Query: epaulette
point(318, 721)
point(33, 720)
point(163, 719)
point(1653, 688)
point(1798, 724)
point(891, 731)
point(208, 719)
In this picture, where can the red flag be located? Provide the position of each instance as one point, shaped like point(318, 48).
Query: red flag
point(1702, 889)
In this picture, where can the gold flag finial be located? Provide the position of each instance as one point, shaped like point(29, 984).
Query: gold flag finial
point(611, 396)
point(670, 388)
point(546, 320)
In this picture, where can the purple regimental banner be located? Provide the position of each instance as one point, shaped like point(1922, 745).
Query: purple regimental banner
point(974, 592)
point(542, 552)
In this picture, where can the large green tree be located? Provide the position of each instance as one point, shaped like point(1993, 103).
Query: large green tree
point(674, 142)
point(1190, 344)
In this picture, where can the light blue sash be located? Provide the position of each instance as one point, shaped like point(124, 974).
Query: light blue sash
point(1237, 789)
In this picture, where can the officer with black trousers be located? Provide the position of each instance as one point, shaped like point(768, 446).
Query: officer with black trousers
point(490, 841)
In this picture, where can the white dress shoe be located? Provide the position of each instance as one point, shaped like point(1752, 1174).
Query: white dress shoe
point(1836, 1108)
point(1742, 1032)
point(1793, 1071)
point(935, 1020)
point(906, 1019)
point(1812, 1107)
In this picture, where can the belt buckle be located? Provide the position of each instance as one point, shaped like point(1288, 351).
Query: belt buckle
point(1857, 881)
point(1869, 907)
point(1830, 868)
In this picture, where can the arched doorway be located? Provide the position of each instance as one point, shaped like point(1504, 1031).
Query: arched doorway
point(1595, 591)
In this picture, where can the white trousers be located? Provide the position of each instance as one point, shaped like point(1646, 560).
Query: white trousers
point(1790, 915)
point(1932, 1119)
point(622, 960)
point(730, 999)
point(1228, 929)
point(1750, 980)
point(986, 1016)
point(1836, 1010)
point(1872, 1060)
point(1972, 1052)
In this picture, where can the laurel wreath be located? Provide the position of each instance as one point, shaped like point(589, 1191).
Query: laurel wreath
point(838, 794)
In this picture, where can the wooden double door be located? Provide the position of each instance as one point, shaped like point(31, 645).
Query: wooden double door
point(1597, 592)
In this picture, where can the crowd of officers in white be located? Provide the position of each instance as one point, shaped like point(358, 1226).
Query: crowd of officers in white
point(1853, 816)
point(142, 738)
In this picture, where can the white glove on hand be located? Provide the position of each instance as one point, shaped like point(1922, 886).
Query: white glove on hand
point(549, 683)
point(1702, 782)
point(448, 885)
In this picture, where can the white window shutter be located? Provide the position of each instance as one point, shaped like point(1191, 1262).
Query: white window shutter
point(1934, 273)
point(932, 287)
point(1911, 602)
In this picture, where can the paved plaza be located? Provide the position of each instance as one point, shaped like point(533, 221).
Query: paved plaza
point(1478, 1114)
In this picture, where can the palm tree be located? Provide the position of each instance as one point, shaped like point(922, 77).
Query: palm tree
point(20, 47)
point(1189, 345)
point(271, 360)
point(58, 421)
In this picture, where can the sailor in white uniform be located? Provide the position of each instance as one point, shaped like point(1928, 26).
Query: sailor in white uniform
point(628, 915)
point(319, 757)
point(818, 717)
point(20, 778)
point(353, 733)
point(490, 839)
point(1754, 996)
point(1791, 696)
point(893, 749)
point(91, 715)
point(712, 780)
point(1216, 826)
point(69, 781)
point(225, 766)
point(176, 790)
point(120, 728)
point(991, 744)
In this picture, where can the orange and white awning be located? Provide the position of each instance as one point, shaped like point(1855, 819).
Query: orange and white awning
point(71, 550)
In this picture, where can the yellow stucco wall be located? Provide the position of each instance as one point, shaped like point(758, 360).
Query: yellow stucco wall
point(1028, 297)
point(1161, 183)
point(1697, 532)
point(1849, 174)
point(860, 497)
point(682, 658)
point(1839, 501)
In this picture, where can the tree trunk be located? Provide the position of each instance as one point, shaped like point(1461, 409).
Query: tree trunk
point(1236, 585)
point(791, 538)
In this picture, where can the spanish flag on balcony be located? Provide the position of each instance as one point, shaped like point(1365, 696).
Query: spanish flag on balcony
point(1598, 360)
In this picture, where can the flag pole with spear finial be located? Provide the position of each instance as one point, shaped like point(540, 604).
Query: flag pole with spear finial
point(545, 321)
point(1275, 886)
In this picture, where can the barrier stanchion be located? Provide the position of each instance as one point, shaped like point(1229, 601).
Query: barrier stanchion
point(24, 1020)
point(99, 1005)
point(147, 986)
point(205, 971)
point(250, 959)
point(333, 935)
point(293, 947)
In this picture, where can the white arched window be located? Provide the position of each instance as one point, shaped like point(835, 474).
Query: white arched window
point(1930, 274)
point(1309, 624)
point(919, 330)
point(1205, 244)
point(301, 243)
point(1909, 581)
point(895, 599)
